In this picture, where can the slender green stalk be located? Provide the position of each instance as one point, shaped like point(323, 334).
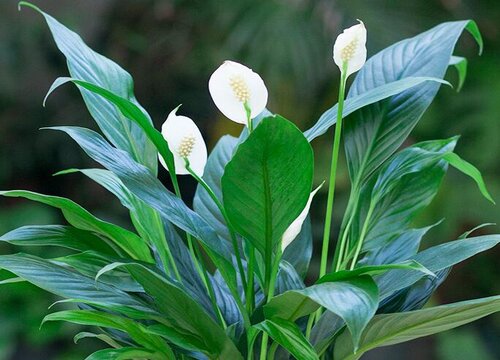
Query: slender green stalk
point(170, 257)
point(251, 280)
point(270, 294)
point(210, 288)
point(219, 205)
point(272, 350)
point(333, 175)
point(361, 239)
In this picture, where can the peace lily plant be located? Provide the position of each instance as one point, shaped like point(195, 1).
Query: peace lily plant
point(226, 280)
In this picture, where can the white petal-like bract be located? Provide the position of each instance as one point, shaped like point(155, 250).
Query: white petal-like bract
point(185, 141)
point(294, 229)
point(232, 85)
point(350, 48)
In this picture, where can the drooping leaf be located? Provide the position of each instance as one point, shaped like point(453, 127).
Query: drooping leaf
point(134, 329)
point(56, 235)
point(103, 337)
point(85, 64)
point(287, 334)
point(460, 64)
point(80, 218)
point(265, 185)
point(376, 131)
point(72, 285)
point(354, 300)
point(391, 329)
point(125, 353)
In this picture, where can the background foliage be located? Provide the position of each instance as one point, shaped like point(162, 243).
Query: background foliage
point(171, 48)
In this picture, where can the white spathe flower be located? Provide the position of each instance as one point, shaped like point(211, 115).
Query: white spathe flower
point(185, 141)
point(232, 86)
point(294, 229)
point(350, 48)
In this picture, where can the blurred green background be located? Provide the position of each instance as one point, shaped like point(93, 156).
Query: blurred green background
point(171, 47)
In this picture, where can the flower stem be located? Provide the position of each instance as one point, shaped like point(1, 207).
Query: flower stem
point(361, 239)
point(232, 234)
point(333, 175)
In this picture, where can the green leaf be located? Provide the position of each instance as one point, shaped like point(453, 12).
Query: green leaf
point(376, 131)
point(134, 329)
point(126, 353)
point(56, 235)
point(265, 186)
point(374, 270)
point(89, 263)
point(72, 285)
point(392, 329)
point(384, 91)
point(470, 170)
point(435, 259)
point(354, 300)
point(80, 218)
point(460, 64)
point(146, 220)
point(180, 311)
point(288, 335)
point(149, 189)
point(299, 252)
point(399, 190)
point(85, 64)
point(103, 337)
point(131, 111)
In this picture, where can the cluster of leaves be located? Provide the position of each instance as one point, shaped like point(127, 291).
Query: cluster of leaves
point(148, 297)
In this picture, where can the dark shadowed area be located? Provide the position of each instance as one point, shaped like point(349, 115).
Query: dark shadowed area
point(171, 47)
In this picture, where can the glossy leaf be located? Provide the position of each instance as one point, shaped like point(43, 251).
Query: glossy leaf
point(287, 334)
point(435, 259)
point(134, 329)
point(384, 91)
point(374, 132)
point(149, 189)
point(265, 185)
point(392, 329)
point(82, 219)
point(354, 300)
point(56, 235)
point(181, 312)
point(72, 285)
point(84, 63)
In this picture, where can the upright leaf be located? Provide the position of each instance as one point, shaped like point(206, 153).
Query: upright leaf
point(84, 63)
point(265, 185)
point(374, 132)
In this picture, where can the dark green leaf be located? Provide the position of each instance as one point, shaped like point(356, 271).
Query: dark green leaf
point(265, 185)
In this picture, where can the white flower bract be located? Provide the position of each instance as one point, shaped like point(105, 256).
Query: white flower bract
point(232, 85)
point(185, 141)
point(294, 229)
point(350, 48)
